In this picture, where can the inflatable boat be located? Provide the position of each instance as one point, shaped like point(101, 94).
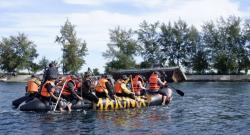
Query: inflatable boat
point(27, 103)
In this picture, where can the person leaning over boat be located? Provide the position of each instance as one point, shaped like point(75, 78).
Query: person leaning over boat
point(86, 84)
point(121, 89)
point(137, 85)
point(104, 88)
point(78, 82)
point(87, 87)
point(155, 85)
point(69, 90)
point(33, 85)
point(48, 92)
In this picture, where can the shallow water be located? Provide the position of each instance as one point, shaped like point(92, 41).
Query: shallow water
point(206, 109)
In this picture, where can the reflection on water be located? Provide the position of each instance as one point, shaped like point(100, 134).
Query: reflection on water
point(206, 108)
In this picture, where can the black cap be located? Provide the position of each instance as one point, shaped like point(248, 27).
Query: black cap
point(87, 74)
point(34, 75)
point(105, 76)
point(124, 77)
point(52, 64)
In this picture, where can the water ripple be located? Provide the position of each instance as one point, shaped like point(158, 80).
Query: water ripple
point(206, 108)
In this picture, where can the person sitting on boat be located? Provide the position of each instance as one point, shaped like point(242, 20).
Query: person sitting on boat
point(121, 89)
point(51, 72)
point(155, 85)
point(33, 85)
point(104, 88)
point(48, 92)
point(69, 90)
point(87, 87)
point(111, 81)
point(137, 85)
point(78, 82)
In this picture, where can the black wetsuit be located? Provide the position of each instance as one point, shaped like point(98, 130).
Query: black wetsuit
point(87, 92)
point(51, 73)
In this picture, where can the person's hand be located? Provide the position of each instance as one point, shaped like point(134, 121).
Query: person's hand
point(80, 98)
point(106, 91)
point(56, 98)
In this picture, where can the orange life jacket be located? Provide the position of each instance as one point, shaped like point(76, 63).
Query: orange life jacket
point(153, 82)
point(136, 88)
point(32, 86)
point(78, 84)
point(44, 91)
point(101, 85)
point(66, 90)
point(118, 88)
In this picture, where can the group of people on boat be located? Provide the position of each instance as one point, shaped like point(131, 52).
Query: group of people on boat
point(70, 88)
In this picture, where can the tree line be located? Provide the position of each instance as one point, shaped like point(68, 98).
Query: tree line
point(18, 52)
point(220, 47)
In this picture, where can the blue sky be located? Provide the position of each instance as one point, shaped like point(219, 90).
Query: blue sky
point(41, 20)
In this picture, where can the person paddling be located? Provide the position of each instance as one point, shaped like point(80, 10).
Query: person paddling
point(69, 90)
point(87, 88)
point(155, 85)
point(33, 85)
point(137, 85)
point(48, 92)
point(104, 88)
point(121, 89)
point(51, 73)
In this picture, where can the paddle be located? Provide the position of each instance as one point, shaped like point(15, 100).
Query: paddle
point(181, 93)
point(132, 87)
point(81, 84)
point(58, 99)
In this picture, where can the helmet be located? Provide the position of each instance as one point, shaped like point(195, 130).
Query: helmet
point(87, 74)
point(158, 73)
point(104, 76)
point(124, 77)
point(73, 77)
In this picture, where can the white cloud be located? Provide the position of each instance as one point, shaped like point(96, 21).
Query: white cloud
point(14, 3)
point(155, 3)
point(83, 2)
point(138, 3)
point(196, 12)
point(90, 2)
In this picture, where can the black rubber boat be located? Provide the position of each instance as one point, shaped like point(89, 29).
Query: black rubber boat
point(26, 103)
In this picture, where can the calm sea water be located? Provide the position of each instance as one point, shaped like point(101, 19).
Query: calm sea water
point(206, 109)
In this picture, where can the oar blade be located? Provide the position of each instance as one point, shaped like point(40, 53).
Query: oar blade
point(181, 93)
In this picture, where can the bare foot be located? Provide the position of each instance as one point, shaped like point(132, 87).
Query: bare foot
point(62, 110)
point(69, 107)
